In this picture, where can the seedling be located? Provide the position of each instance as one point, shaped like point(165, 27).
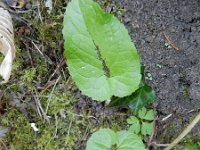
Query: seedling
point(107, 139)
point(159, 66)
point(141, 124)
point(149, 77)
point(167, 45)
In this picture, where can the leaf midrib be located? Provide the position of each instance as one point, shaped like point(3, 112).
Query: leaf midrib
point(103, 62)
point(105, 67)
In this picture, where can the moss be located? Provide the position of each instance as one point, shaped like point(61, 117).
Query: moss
point(50, 136)
point(58, 99)
point(185, 92)
point(29, 75)
point(112, 7)
point(49, 27)
point(1, 57)
point(31, 71)
point(20, 134)
point(189, 144)
point(17, 61)
point(64, 130)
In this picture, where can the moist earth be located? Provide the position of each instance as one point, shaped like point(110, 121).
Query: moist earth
point(175, 73)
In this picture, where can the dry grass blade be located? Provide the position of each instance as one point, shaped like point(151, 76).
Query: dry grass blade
point(3, 145)
point(185, 132)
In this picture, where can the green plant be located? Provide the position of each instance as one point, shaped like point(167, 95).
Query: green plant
point(141, 124)
point(107, 139)
point(142, 96)
point(167, 45)
point(29, 75)
point(101, 58)
point(105, 65)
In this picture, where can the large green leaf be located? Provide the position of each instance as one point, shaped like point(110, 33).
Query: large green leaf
point(102, 140)
point(129, 141)
point(101, 58)
point(107, 139)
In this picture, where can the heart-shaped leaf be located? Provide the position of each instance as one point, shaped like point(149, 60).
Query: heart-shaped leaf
point(129, 141)
point(101, 58)
point(107, 139)
point(144, 95)
point(102, 140)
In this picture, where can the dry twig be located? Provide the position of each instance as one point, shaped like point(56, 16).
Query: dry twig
point(39, 106)
point(62, 62)
point(169, 41)
point(51, 94)
point(3, 144)
point(184, 133)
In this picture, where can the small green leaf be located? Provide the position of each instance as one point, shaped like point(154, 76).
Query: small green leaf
point(158, 65)
point(129, 141)
point(142, 112)
point(191, 147)
point(146, 115)
point(117, 101)
point(149, 115)
point(146, 128)
point(101, 57)
point(103, 139)
point(166, 44)
point(135, 128)
point(144, 95)
point(132, 120)
point(135, 125)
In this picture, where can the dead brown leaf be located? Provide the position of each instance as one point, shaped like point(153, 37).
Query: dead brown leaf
point(7, 47)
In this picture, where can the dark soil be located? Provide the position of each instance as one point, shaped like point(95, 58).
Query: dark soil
point(176, 73)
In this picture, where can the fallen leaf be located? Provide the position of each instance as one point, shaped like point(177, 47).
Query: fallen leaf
point(16, 4)
point(49, 5)
point(7, 47)
point(3, 131)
